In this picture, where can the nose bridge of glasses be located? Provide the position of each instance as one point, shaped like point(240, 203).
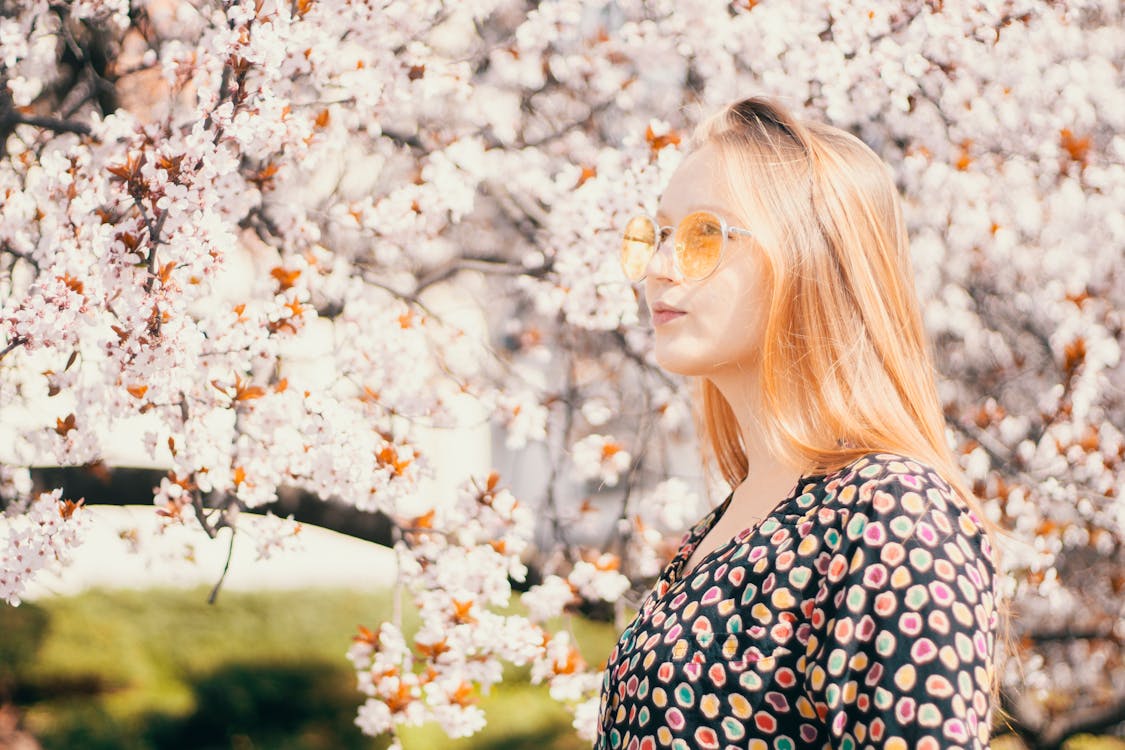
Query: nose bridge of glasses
point(663, 264)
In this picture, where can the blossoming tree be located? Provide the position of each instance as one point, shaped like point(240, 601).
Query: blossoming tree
point(366, 154)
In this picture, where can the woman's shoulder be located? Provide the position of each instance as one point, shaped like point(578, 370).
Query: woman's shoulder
point(859, 482)
point(893, 494)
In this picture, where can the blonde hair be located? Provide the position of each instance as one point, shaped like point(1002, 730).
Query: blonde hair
point(846, 368)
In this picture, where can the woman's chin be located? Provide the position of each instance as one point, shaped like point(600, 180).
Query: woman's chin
point(679, 358)
point(677, 362)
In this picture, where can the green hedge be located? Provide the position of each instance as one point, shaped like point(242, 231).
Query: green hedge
point(163, 670)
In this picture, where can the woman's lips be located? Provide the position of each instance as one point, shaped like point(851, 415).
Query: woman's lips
point(659, 317)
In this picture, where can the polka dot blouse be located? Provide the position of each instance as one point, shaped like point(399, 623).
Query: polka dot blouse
point(858, 614)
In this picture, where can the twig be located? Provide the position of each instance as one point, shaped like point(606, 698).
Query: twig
point(196, 494)
point(200, 513)
point(396, 600)
point(226, 566)
point(484, 265)
point(551, 502)
point(17, 341)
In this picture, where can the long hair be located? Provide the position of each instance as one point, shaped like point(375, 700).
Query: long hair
point(846, 367)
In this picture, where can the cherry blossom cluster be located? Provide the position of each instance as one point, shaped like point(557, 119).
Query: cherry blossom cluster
point(458, 561)
point(37, 536)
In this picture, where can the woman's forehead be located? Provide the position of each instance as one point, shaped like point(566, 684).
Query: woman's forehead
point(663, 216)
point(696, 185)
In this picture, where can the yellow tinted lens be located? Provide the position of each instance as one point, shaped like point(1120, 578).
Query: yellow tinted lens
point(637, 246)
point(699, 242)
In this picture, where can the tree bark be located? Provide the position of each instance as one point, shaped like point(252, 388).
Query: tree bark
point(102, 485)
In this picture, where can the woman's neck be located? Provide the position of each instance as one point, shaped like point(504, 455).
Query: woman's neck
point(768, 475)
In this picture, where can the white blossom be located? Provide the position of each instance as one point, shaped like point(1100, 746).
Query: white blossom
point(600, 457)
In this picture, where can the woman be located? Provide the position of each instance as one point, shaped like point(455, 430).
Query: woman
point(842, 595)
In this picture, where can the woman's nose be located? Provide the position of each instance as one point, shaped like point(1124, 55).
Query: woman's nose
point(661, 264)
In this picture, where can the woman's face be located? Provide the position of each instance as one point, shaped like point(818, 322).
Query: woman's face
point(720, 326)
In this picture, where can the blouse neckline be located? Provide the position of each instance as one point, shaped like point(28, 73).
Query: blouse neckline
point(700, 531)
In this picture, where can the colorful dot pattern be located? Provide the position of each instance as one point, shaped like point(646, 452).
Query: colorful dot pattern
point(859, 614)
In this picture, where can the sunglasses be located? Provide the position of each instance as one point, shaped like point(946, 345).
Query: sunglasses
point(700, 239)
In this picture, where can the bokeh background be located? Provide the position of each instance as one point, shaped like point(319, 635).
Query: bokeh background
point(311, 310)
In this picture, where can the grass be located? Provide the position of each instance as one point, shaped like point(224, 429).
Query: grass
point(162, 670)
point(147, 670)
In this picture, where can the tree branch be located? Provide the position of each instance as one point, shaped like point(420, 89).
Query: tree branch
point(10, 117)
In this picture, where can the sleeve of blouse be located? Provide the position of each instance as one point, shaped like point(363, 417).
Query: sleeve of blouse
point(904, 622)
